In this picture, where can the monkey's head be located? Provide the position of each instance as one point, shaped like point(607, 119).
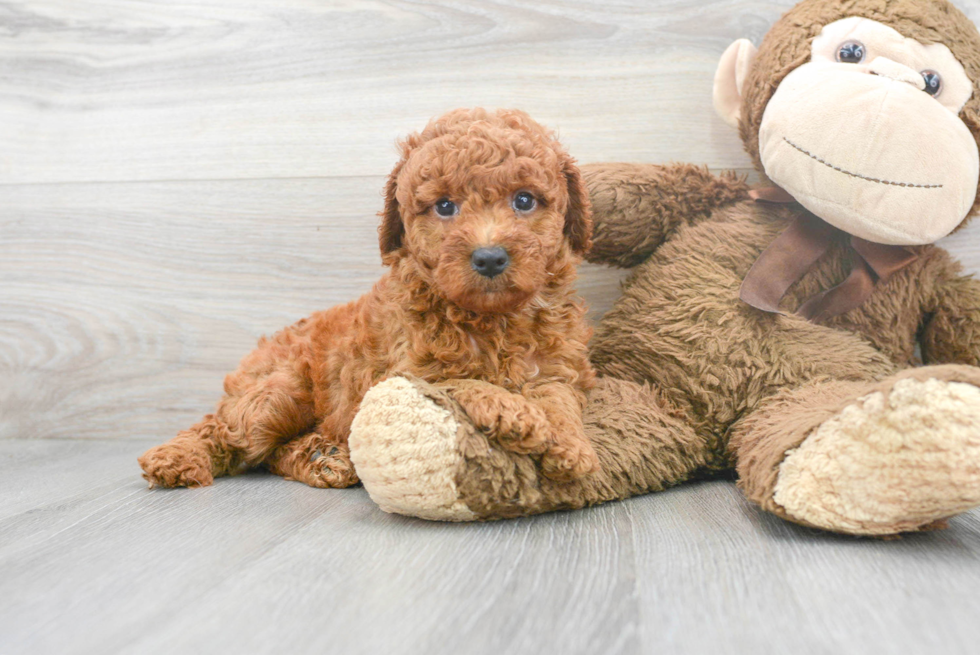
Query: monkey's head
point(865, 111)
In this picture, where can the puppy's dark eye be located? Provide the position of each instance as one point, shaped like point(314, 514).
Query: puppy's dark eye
point(934, 83)
point(850, 52)
point(446, 208)
point(523, 202)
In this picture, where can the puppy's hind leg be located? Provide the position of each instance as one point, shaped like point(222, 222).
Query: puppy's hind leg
point(316, 459)
point(268, 401)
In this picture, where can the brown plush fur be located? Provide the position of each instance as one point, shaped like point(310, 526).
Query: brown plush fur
point(681, 324)
point(518, 339)
point(694, 379)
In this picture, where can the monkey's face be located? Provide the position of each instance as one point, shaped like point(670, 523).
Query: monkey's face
point(867, 136)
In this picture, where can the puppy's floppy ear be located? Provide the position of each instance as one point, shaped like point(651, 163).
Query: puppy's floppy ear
point(578, 215)
point(391, 230)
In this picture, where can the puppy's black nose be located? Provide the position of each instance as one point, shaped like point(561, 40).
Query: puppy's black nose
point(490, 262)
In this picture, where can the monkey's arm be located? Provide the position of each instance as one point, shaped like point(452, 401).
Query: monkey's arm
point(636, 206)
point(951, 334)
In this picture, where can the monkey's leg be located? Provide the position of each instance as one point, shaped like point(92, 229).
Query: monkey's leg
point(866, 458)
point(418, 453)
point(543, 420)
point(268, 401)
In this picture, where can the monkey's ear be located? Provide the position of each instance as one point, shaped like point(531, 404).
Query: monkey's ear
point(391, 230)
point(578, 215)
point(730, 77)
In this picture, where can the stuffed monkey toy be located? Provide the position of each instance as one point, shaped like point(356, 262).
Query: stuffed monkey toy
point(774, 330)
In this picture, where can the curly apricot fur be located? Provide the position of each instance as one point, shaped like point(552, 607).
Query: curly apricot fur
point(520, 336)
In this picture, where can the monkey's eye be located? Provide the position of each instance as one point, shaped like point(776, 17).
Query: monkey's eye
point(934, 83)
point(523, 202)
point(446, 208)
point(850, 52)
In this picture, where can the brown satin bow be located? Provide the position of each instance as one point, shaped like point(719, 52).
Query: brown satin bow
point(798, 247)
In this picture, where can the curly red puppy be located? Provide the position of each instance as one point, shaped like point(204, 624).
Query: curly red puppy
point(485, 219)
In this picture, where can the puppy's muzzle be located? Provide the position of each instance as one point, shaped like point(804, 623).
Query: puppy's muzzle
point(490, 262)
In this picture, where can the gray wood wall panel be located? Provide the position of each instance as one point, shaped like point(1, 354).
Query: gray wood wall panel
point(180, 179)
point(250, 89)
point(124, 305)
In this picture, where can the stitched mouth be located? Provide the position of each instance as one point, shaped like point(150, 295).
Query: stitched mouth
point(858, 175)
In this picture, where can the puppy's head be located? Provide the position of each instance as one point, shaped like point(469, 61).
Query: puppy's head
point(486, 205)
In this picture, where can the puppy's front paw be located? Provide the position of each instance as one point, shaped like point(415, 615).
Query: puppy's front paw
point(525, 431)
point(569, 461)
point(517, 425)
point(176, 465)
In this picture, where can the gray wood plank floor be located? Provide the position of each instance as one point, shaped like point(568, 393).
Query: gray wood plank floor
point(91, 562)
point(177, 179)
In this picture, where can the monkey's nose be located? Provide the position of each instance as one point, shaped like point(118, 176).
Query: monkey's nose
point(490, 262)
point(899, 72)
